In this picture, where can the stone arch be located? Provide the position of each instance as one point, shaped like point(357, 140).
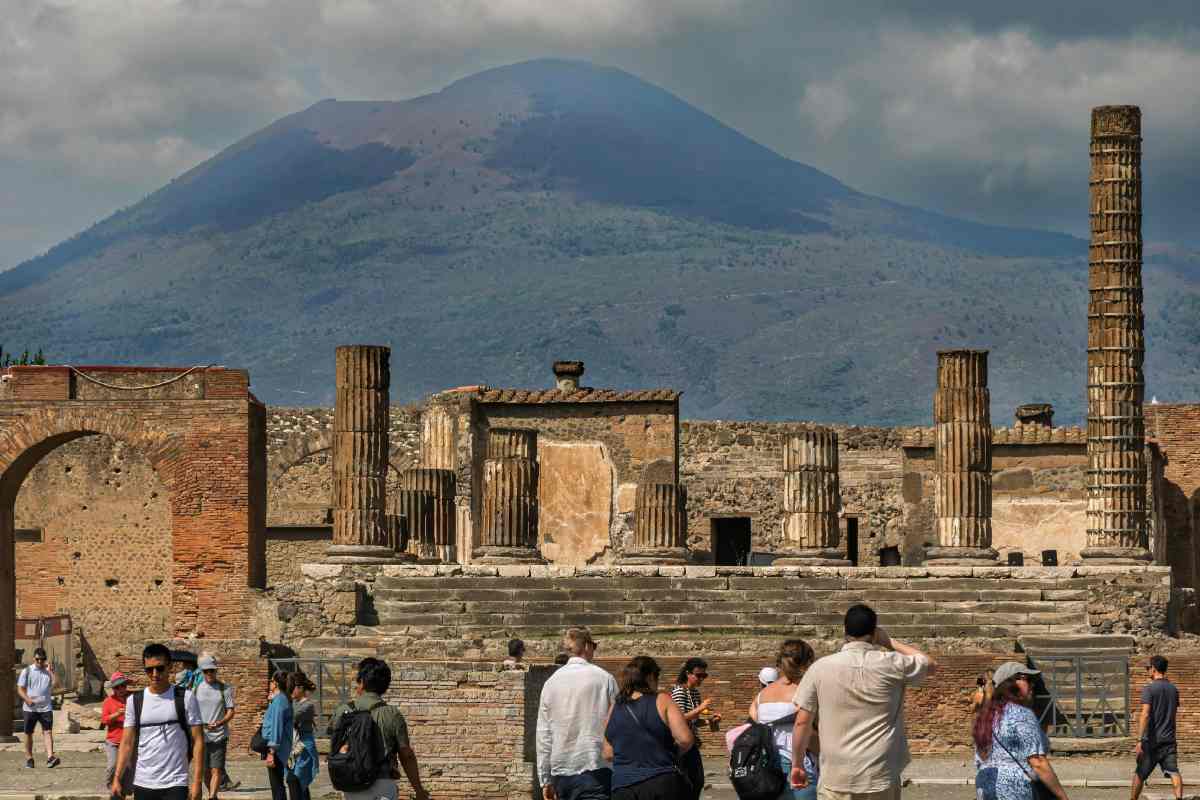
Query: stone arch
point(296, 451)
point(203, 452)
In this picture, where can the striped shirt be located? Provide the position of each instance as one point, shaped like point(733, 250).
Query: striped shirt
point(688, 700)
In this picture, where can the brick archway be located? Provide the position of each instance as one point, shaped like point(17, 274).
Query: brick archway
point(205, 438)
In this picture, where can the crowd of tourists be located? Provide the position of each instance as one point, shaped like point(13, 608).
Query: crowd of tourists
point(829, 728)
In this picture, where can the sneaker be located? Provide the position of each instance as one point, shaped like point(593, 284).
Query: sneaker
point(53, 761)
point(228, 785)
point(29, 763)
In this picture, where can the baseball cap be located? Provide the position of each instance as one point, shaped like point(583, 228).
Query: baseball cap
point(207, 662)
point(768, 675)
point(1011, 669)
point(117, 679)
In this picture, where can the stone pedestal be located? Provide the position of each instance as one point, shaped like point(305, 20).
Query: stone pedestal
point(658, 537)
point(1116, 477)
point(963, 461)
point(508, 528)
point(360, 447)
point(811, 500)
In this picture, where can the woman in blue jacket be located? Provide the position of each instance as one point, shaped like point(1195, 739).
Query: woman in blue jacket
point(277, 730)
point(303, 769)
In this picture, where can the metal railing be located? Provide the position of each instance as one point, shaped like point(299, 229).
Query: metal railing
point(334, 678)
point(1083, 696)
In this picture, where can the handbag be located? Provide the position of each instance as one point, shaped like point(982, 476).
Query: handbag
point(258, 744)
point(680, 771)
point(1040, 790)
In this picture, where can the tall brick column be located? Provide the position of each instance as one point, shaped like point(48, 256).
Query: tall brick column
point(508, 530)
point(436, 542)
point(811, 500)
point(8, 620)
point(360, 449)
point(963, 460)
point(1116, 433)
point(658, 534)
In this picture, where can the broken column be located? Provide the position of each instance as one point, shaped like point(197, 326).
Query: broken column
point(438, 439)
point(811, 500)
point(567, 375)
point(1116, 484)
point(417, 509)
point(436, 539)
point(659, 533)
point(508, 529)
point(963, 460)
point(360, 449)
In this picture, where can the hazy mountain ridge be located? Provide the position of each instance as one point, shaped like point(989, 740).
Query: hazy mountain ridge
point(554, 209)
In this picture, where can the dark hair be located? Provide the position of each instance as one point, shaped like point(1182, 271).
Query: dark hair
point(516, 647)
point(636, 676)
point(299, 679)
point(39, 653)
point(1160, 664)
point(990, 713)
point(376, 675)
point(794, 656)
point(688, 666)
point(561, 658)
point(156, 650)
point(282, 680)
point(860, 621)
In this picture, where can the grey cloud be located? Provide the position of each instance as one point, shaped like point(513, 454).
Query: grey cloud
point(971, 108)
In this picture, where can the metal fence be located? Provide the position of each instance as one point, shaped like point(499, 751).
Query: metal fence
point(1083, 696)
point(334, 678)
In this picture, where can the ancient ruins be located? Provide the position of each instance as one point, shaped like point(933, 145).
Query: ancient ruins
point(170, 503)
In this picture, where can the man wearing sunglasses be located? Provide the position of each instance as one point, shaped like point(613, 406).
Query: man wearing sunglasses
point(34, 686)
point(1157, 747)
point(166, 733)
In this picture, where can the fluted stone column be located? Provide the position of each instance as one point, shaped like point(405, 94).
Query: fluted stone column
point(397, 528)
point(1116, 484)
point(658, 534)
point(508, 528)
point(417, 509)
point(811, 500)
point(438, 543)
point(360, 448)
point(438, 438)
point(963, 460)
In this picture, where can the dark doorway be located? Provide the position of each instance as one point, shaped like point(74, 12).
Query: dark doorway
point(731, 541)
point(889, 557)
point(852, 540)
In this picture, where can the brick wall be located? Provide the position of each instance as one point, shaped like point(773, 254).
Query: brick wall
point(1176, 429)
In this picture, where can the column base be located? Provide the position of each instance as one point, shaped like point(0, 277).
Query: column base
point(658, 555)
point(960, 557)
point(507, 555)
point(810, 557)
point(362, 554)
point(1101, 556)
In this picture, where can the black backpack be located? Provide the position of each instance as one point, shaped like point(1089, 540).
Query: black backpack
point(139, 698)
point(366, 754)
point(754, 768)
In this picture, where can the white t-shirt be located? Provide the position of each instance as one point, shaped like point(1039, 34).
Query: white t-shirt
point(162, 761)
point(36, 682)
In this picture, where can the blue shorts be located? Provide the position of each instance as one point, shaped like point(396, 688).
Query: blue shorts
point(35, 718)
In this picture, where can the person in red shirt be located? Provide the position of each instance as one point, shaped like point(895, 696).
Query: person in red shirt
point(112, 717)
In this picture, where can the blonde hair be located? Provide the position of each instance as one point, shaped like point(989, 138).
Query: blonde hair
point(576, 639)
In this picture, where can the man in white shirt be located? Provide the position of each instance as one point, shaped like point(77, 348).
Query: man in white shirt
point(859, 694)
point(570, 726)
point(163, 742)
point(34, 685)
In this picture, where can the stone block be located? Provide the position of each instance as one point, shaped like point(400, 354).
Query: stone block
point(677, 571)
point(479, 571)
point(513, 570)
point(1011, 595)
point(322, 572)
point(700, 571)
point(1064, 594)
point(950, 572)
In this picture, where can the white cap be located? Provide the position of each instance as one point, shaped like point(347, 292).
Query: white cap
point(768, 675)
point(207, 662)
point(1011, 669)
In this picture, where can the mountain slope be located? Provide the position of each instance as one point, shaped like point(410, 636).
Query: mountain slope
point(554, 209)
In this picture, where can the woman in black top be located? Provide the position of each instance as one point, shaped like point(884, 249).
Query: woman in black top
point(644, 732)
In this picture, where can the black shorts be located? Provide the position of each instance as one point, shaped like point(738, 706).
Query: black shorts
point(1162, 755)
point(35, 718)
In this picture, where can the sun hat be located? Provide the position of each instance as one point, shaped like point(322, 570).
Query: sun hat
point(207, 662)
point(117, 679)
point(768, 675)
point(1010, 669)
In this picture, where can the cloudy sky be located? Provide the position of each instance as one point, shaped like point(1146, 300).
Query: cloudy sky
point(971, 107)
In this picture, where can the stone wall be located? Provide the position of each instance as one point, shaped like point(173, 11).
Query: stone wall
point(1176, 429)
point(104, 549)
